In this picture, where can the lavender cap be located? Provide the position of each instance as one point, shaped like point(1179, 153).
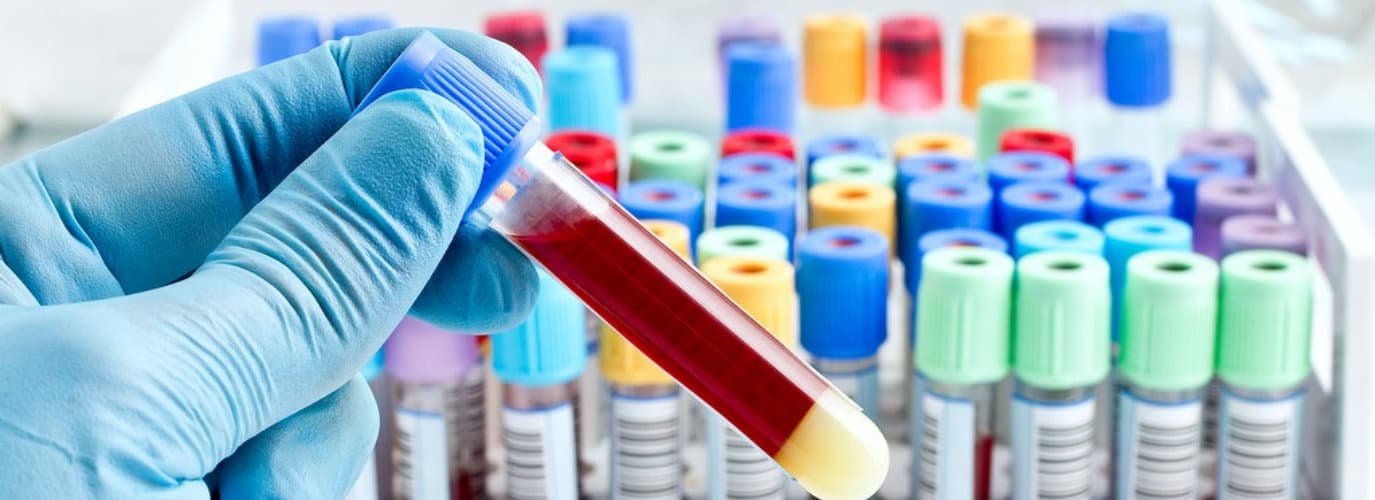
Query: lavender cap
point(1230, 143)
point(1262, 232)
point(1221, 198)
point(423, 353)
point(1068, 51)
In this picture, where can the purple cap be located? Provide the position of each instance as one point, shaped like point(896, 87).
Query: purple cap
point(744, 29)
point(1262, 232)
point(420, 352)
point(1230, 143)
point(1068, 51)
point(1221, 198)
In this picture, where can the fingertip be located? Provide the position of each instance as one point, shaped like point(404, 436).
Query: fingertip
point(483, 284)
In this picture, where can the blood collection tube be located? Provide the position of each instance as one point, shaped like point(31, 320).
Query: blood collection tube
point(942, 203)
point(580, 87)
point(611, 31)
point(745, 241)
point(523, 31)
point(668, 154)
point(368, 486)
point(1137, 83)
point(1012, 105)
point(1183, 175)
point(762, 204)
point(665, 199)
point(636, 284)
point(1166, 360)
point(919, 168)
point(438, 443)
point(842, 287)
point(1114, 201)
point(1041, 140)
point(835, 74)
point(1097, 170)
point(1006, 169)
point(838, 144)
point(1129, 236)
point(997, 47)
point(737, 468)
point(744, 29)
point(1027, 202)
point(850, 203)
point(756, 140)
point(1220, 199)
point(1058, 236)
point(359, 25)
point(961, 358)
point(852, 167)
point(911, 76)
point(1229, 143)
point(1263, 335)
point(286, 36)
point(1059, 356)
point(1262, 232)
point(932, 142)
point(761, 87)
point(757, 167)
point(594, 154)
point(1068, 56)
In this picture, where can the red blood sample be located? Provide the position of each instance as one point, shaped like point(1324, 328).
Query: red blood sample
point(1044, 141)
point(522, 30)
point(758, 141)
point(594, 154)
point(909, 64)
point(983, 466)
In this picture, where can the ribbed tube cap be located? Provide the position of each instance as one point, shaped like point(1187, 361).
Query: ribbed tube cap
point(848, 203)
point(508, 128)
point(745, 29)
point(1068, 53)
point(1007, 105)
point(621, 362)
point(997, 47)
point(757, 167)
point(665, 154)
point(1264, 320)
point(1219, 199)
point(942, 203)
point(757, 140)
point(748, 241)
point(1041, 140)
point(419, 352)
point(1136, 60)
point(1006, 169)
point(1114, 201)
point(853, 167)
point(842, 290)
point(1058, 236)
point(963, 331)
point(594, 154)
point(1183, 175)
point(611, 31)
point(1230, 143)
point(359, 25)
point(1262, 232)
point(838, 144)
point(761, 87)
point(1062, 320)
point(933, 240)
point(834, 60)
point(523, 31)
point(763, 288)
point(583, 90)
point(910, 67)
point(550, 347)
point(933, 142)
point(758, 203)
point(1111, 169)
point(664, 199)
point(1129, 236)
point(1028, 202)
point(1169, 321)
point(283, 37)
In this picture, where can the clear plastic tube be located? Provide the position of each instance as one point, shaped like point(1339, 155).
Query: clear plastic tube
point(1159, 438)
point(645, 442)
point(1259, 443)
point(1052, 442)
point(427, 456)
point(541, 447)
point(857, 378)
point(736, 468)
point(1140, 132)
point(952, 440)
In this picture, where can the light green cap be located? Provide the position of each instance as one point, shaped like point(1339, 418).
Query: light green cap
point(1012, 104)
point(1169, 320)
point(857, 168)
point(1264, 321)
point(744, 241)
point(672, 155)
point(963, 329)
point(1061, 337)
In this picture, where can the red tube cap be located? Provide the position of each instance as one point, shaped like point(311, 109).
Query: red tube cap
point(1045, 141)
point(756, 140)
point(909, 64)
point(594, 154)
point(522, 30)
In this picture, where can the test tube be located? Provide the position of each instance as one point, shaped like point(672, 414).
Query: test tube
point(1219, 199)
point(758, 141)
point(932, 142)
point(1167, 336)
point(1068, 55)
point(1114, 169)
point(611, 31)
point(1027, 202)
point(838, 144)
point(1011, 105)
point(1137, 83)
point(368, 486)
point(673, 155)
point(757, 167)
point(1006, 169)
point(761, 204)
point(764, 289)
point(594, 154)
point(1040, 140)
point(665, 199)
point(581, 90)
point(1114, 201)
point(634, 282)
point(537, 363)
point(761, 87)
point(1264, 323)
point(286, 36)
point(911, 76)
point(1059, 356)
point(834, 73)
point(1229, 143)
point(438, 443)
point(359, 25)
point(961, 358)
point(1183, 176)
point(523, 31)
point(1058, 236)
point(852, 167)
point(997, 47)
point(1259, 232)
point(850, 203)
point(842, 288)
point(1129, 236)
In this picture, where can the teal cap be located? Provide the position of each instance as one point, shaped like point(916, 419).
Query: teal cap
point(550, 347)
point(1012, 104)
point(854, 167)
point(1264, 321)
point(674, 155)
point(1057, 235)
point(744, 241)
point(965, 299)
point(583, 88)
point(1060, 339)
point(1169, 317)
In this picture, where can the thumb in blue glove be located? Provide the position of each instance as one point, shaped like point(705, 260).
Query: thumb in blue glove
point(187, 294)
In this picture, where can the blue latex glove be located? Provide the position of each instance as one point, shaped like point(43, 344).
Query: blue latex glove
point(302, 236)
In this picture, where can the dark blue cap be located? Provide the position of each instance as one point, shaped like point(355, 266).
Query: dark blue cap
point(758, 203)
point(1027, 202)
point(943, 203)
point(1183, 175)
point(1113, 201)
point(919, 168)
point(767, 167)
point(1006, 169)
point(358, 25)
point(1136, 60)
point(761, 87)
point(1090, 173)
point(283, 37)
point(844, 144)
point(1058, 236)
point(842, 292)
point(607, 30)
point(665, 199)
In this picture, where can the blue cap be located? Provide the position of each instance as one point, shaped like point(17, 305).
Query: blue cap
point(583, 90)
point(1006, 169)
point(550, 346)
point(1183, 176)
point(1123, 169)
point(611, 31)
point(508, 128)
point(1114, 201)
point(844, 144)
point(766, 167)
point(943, 203)
point(761, 87)
point(1129, 236)
point(1058, 236)
point(842, 292)
point(665, 199)
point(949, 238)
point(921, 167)
point(358, 25)
point(1028, 202)
point(374, 366)
point(756, 203)
point(1136, 60)
point(283, 37)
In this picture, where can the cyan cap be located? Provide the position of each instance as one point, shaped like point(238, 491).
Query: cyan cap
point(1265, 320)
point(1028, 202)
point(1183, 175)
point(942, 203)
point(668, 200)
point(949, 238)
point(965, 319)
point(1136, 60)
point(1169, 321)
point(1129, 236)
point(1006, 169)
point(845, 144)
point(1058, 236)
point(359, 25)
point(758, 203)
point(1061, 325)
point(283, 37)
point(550, 347)
point(743, 241)
point(1090, 173)
point(583, 90)
point(761, 87)
point(842, 291)
point(1114, 201)
point(757, 167)
point(419, 352)
point(611, 31)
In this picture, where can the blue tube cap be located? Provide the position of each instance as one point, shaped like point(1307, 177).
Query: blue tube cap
point(1114, 169)
point(761, 87)
point(756, 203)
point(1114, 201)
point(761, 167)
point(949, 238)
point(583, 89)
point(611, 31)
point(1029, 202)
point(550, 347)
point(283, 37)
point(359, 25)
point(842, 292)
point(1183, 176)
point(665, 199)
point(1006, 169)
point(943, 203)
point(1058, 236)
point(943, 166)
point(845, 144)
point(1136, 60)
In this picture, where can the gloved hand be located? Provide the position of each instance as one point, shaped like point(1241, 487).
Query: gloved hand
point(188, 293)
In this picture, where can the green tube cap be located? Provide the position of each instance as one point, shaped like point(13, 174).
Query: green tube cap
point(1061, 338)
point(857, 168)
point(1264, 323)
point(1169, 320)
point(1009, 105)
point(672, 155)
point(743, 241)
point(965, 299)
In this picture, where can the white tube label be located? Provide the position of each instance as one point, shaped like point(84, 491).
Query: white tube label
point(1158, 447)
point(644, 448)
point(737, 468)
point(943, 445)
point(1052, 447)
point(861, 386)
point(541, 457)
point(421, 456)
point(1258, 446)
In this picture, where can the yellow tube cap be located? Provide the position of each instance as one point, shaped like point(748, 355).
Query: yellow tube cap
point(834, 59)
point(849, 203)
point(933, 142)
point(621, 362)
point(762, 287)
point(996, 47)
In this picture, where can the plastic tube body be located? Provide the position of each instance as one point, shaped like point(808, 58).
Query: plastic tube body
point(435, 440)
point(952, 440)
point(857, 378)
point(645, 440)
point(1052, 442)
point(1159, 439)
point(541, 448)
point(1259, 442)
